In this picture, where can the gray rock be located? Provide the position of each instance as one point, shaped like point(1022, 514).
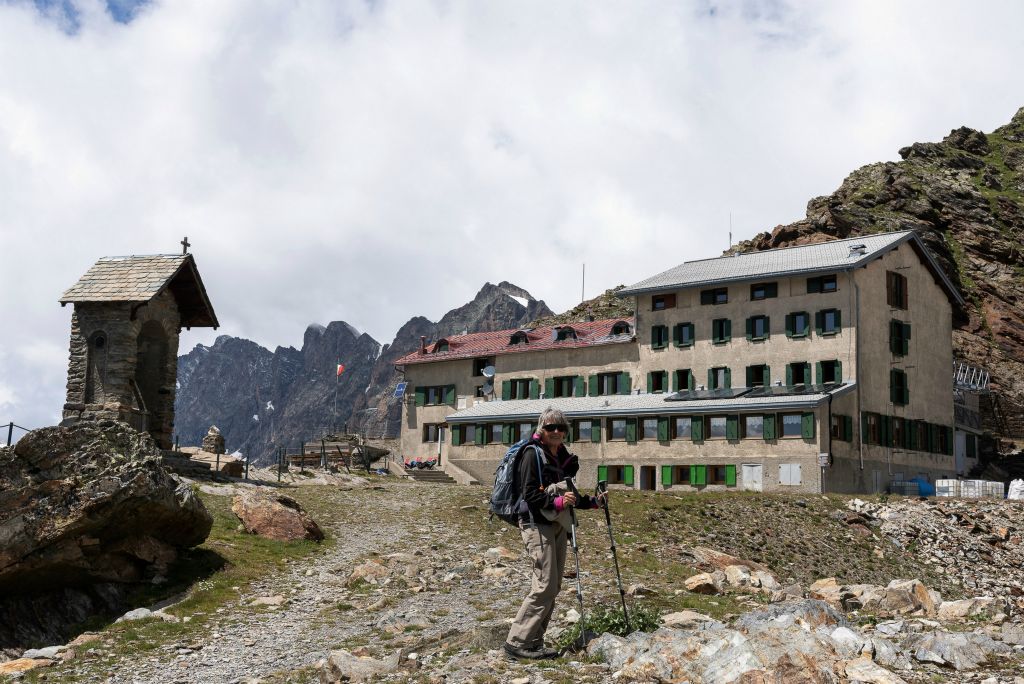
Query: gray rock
point(961, 651)
point(342, 666)
point(1013, 633)
point(50, 652)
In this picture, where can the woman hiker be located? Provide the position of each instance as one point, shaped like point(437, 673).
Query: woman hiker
point(544, 522)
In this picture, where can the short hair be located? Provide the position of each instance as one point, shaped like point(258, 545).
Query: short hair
point(551, 416)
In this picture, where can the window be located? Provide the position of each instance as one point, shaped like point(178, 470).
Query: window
point(662, 302)
point(828, 322)
point(971, 446)
point(480, 364)
point(616, 474)
point(759, 291)
point(921, 428)
point(896, 290)
point(899, 432)
point(520, 388)
point(798, 373)
point(899, 337)
point(659, 336)
point(435, 395)
point(682, 334)
point(519, 337)
point(791, 425)
point(657, 381)
point(797, 324)
point(872, 428)
point(758, 327)
point(682, 379)
point(719, 378)
point(441, 346)
point(841, 427)
point(524, 430)
point(829, 372)
point(461, 434)
point(680, 475)
point(583, 431)
point(753, 427)
point(495, 436)
point(565, 333)
point(620, 328)
point(649, 428)
point(604, 384)
point(789, 474)
point(721, 330)
point(722, 475)
point(899, 393)
point(943, 441)
point(758, 376)
point(825, 283)
point(717, 427)
point(431, 432)
point(719, 295)
point(681, 427)
point(617, 429)
point(564, 386)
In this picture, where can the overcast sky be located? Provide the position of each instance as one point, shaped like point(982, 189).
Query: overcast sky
point(371, 161)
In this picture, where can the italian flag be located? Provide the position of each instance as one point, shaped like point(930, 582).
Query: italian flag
point(341, 368)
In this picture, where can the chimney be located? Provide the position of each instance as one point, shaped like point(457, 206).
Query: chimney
point(423, 344)
point(858, 250)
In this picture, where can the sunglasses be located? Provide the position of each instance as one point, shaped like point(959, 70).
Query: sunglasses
point(556, 427)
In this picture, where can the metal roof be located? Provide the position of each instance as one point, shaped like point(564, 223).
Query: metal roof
point(823, 257)
point(137, 279)
point(634, 405)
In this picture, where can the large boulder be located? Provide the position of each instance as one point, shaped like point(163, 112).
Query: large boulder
point(85, 510)
point(275, 516)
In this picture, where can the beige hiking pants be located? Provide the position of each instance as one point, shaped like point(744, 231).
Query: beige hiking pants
point(546, 545)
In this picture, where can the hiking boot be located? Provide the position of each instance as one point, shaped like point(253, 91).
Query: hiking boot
point(529, 653)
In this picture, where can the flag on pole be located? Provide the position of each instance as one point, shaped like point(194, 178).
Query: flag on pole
point(341, 368)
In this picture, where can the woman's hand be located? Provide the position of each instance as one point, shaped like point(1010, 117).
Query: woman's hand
point(569, 499)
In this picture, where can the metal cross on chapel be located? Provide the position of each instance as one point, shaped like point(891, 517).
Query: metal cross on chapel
point(185, 245)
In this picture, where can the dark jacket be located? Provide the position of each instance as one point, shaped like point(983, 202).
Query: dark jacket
point(533, 484)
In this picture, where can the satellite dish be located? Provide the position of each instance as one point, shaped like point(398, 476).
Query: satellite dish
point(488, 388)
point(488, 372)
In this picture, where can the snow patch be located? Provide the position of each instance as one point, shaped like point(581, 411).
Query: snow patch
point(522, 301)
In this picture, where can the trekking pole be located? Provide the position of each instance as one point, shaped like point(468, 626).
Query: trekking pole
point(602, 488)
point(576, 553)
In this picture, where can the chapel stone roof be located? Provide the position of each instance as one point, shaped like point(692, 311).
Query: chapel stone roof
point(138, 279)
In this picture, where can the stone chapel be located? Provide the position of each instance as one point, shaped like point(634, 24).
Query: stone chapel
point(128, 314)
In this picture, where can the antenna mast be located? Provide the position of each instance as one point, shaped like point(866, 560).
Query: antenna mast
point(583, 284)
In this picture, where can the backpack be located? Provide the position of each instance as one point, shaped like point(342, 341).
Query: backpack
point(507, 492)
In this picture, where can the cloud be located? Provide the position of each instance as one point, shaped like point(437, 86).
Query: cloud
point(369, 162)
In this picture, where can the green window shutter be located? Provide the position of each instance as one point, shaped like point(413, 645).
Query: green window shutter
point(421, 396)
point(933, 439)
point(662, 429)
point(580, 386)
point(728, 378)
point(813, 285)
point(602, 473)
point(624, 383)
point(848, 428)
point(506, 433)
point(912, 435)
point(789, 325)
point(839, 371)
point(595, 431)
point(691, 381)
point(711, 378)
point(807, 425)
point(817, 371)
point(631, 430)
point(693, 476)
point(949, 441)
point(594, 389)
point(839, 319)
point(654, 337)
point(789, 375)
point(906, 393)
point(650, 382)
point(627, 475)
point(697, 429)
point(819, 321)
point(732, 427)
point(750, 327)
point(456, 435)
point(769, 426)
point(886, 430)
point(728, 329)
point(549, 388)
point(864, 427)
point(730, 475)
point(767, 376)
point(534, 388)
point(750, 375)
point(666, 476)
point(894, 343)
point(675, 381)
point(691, 331)
point(479, 437)
point(449, 394)
point(677, 334)
point(905, 348)
point(702, 476)
point(506, 390)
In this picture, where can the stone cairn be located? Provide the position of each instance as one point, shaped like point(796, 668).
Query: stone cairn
point(213, 442)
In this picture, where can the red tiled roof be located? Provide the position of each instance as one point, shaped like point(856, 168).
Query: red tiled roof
point(472, 345)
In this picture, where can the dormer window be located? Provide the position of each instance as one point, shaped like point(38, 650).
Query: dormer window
point(621, 328)
point(565, 333)
point(441, 346)
point(519, 337)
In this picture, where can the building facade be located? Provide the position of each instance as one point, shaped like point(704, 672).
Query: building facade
point(817, 368)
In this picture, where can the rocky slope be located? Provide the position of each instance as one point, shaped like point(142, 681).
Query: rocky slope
point(260, 398)
point(965, 197)
point(602, 307)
